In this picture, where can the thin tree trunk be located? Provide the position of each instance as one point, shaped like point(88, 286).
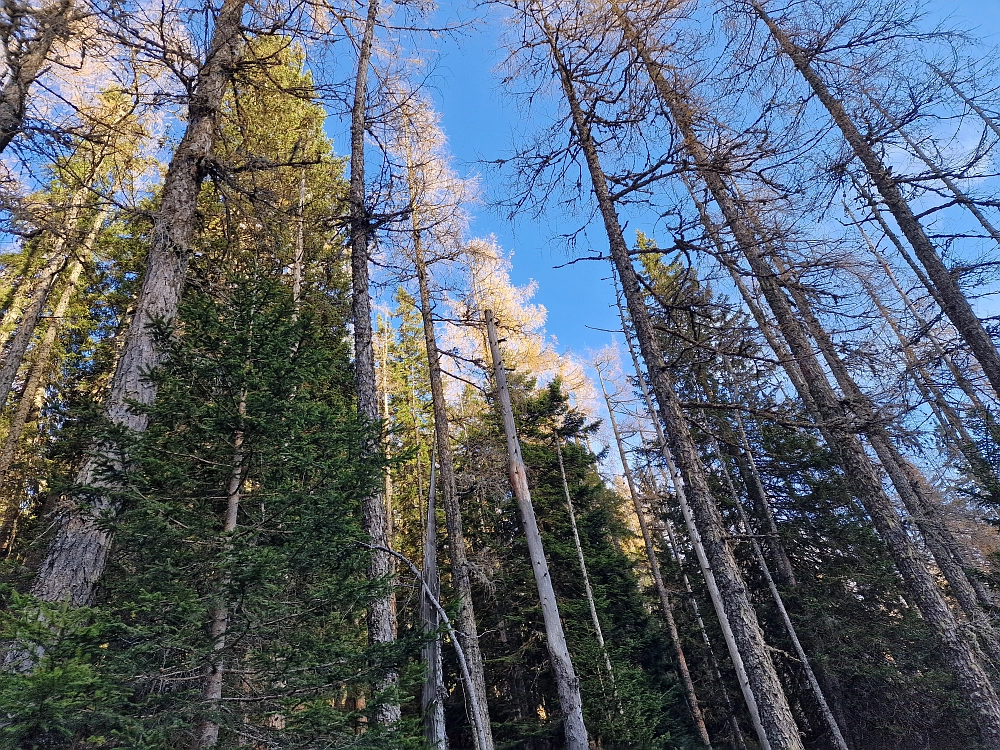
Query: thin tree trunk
point(16, 348)
point(824, 707)
point(77, 552)
point(962, 654)
point(298, 261)
point(433, 694)
point(953, 186)
point(734, 727)
point(987, 120)
point(457, 550)
point(42, 356)
point(778, 730)
point(654, 568)
point(52, 22)
point(567, 683)
point(588, 591)
point(207, 730)
point(953, 302)
point(381, 625)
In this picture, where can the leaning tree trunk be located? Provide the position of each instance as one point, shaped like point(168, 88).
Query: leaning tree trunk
point(433, 694)
point(654, 569)
point(587, 590)
point(42, 355)
point(953, 302)
point(381, 617)
point(567, 683)
point(76, 555)
point(52, 23)
point(777, 725)
point(987, 120)
point(13, 354)
point(962, 654)
point(457, 550)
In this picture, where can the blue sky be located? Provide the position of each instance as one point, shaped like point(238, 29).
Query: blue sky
point(481, 122)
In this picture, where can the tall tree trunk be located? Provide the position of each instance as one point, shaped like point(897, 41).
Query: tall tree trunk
point(207, 730)
point(52, 22)
point(380, 618)
point(42, 358)
point(778, 730)
point(433, 694)
point(587, 590)
point(654, 568)
point(457, 550)
point(962, 654)
point(953, 302)
point(16, 348)
point(76, 555)
point(567, 683)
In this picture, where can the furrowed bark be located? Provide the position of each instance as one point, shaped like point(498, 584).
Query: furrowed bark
point(567, 683)
point(777, 726)
point(953, 302)
point(654, 567)
point(457, 550)
point(76, 555)
point(380, 617)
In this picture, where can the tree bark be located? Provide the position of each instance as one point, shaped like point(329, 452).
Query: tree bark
point(380, 618)
point(17, 346)
point(457, 549)
point(433, 694)
point(76, 555)
point(52, 23)
point(777, 726)
point(567, 683)
point(953, 302)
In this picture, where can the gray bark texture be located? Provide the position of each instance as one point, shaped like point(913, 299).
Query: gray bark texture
point(381, 612)
point(27, 38)
point(433, 693)
point(567, 683)
point(77, 552)
point(953, 302)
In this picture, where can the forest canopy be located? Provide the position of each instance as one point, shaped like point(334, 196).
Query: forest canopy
point(289, 460)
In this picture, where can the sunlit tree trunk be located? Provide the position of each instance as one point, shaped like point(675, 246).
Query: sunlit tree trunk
point(433, 694)
point(567, 683)
point(77, 552)
point(380, 618)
